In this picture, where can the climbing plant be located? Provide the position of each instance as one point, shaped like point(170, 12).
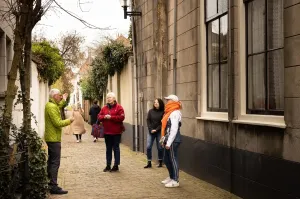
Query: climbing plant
point(5, 177)
point(26, 150)
point(99, 76)
point(130, 33)
point(87, 88)
point(49, 61)
point(111, 60)
point(94, 84)
point(115, 56)
point(38, 181)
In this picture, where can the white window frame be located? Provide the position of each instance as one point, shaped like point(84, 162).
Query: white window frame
point(243, 117)
point(202, 77)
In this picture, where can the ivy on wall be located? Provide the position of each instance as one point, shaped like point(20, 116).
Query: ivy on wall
point(111, 60)
point(115, 55)
point(49, 61)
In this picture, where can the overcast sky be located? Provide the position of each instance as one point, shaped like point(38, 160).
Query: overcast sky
point(100, 13)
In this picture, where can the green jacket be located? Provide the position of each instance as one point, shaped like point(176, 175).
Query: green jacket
point(53, 121)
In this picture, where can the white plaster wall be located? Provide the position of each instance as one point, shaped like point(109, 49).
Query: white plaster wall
point(126, 79)
point(115, 85)
point(17, 113)
point(44, 96)
point(125, 90)
point(35, 96)
point(39, 93)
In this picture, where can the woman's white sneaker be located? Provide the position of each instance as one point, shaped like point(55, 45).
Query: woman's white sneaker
point(167, 180)
point(172, 183)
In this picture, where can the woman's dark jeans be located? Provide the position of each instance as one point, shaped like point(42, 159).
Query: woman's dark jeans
point(150, 140)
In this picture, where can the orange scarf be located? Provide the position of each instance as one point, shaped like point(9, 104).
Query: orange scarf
point(170, 107)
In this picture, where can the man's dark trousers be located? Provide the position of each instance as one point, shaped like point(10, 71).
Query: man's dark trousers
point(54, 153)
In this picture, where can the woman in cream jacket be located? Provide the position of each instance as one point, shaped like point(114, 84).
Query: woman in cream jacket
point(77, 126)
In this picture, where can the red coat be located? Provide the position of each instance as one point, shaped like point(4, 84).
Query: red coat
point(114, 125)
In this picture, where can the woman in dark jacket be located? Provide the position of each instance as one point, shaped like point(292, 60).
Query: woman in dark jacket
point(154, 118)
point(94, 111)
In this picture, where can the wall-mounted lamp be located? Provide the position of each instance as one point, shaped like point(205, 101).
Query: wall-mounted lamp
point(125, 5)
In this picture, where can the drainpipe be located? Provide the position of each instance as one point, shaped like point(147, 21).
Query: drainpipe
point(141, 96)
point(231, 101)
point(175, 49)
point(136, 97)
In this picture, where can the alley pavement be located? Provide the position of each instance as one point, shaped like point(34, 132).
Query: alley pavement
point(81, 173)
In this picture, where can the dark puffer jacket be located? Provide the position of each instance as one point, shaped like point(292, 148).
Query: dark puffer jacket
point(94, 111)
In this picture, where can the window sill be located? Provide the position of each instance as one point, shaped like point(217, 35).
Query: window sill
point(262, 120)
point(214, 116)
point(259, 120)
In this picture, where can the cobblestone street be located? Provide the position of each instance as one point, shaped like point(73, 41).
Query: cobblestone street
point(81, 174)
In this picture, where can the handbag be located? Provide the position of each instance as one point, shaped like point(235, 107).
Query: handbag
point(97, 130)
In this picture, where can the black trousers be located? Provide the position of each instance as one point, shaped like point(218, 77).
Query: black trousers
point(54, 153)
point(112, 143)
point(78, 136)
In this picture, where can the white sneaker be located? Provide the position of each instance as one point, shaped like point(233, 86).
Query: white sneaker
point(167, 180)
point(77, 141)
point(172, 183)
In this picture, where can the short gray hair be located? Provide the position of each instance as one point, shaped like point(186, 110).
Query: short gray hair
point(111, 94)
point(54, 91)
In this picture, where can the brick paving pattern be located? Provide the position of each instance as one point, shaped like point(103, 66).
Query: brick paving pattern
point(81, 173)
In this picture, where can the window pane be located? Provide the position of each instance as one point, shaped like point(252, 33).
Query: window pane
point(276, 80)
point(211, 8)
point(213, 86)
point(275, 24)
point(249, 27)
point(256, 26)
point(224, 86)
point(256, 82)
point(222, 6)
point(224, 38)
point(213, 42)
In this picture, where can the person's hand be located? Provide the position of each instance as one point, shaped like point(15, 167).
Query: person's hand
point(153, 131)
point(65, 96)
point(167, 147)
point(72, 119)
point(107, 117)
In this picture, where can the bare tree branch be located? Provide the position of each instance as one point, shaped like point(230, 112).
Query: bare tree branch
point(69, 45)
point(91, 26)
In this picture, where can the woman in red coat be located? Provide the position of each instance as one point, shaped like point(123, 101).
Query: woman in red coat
point(112, 116)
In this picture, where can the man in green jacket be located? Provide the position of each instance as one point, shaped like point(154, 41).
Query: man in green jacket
point(53, 129)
